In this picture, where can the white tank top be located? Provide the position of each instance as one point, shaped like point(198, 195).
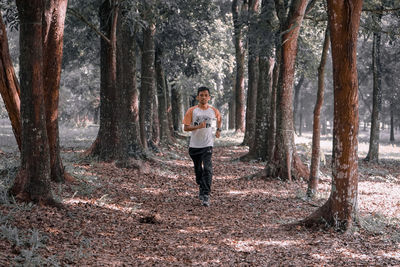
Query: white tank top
point(203, 137)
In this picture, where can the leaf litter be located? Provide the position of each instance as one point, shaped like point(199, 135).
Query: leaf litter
point(152, 216)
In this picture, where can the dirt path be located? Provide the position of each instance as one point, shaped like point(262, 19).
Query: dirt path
point(123, 217)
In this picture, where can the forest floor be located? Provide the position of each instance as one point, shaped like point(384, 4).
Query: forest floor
point(152, 216)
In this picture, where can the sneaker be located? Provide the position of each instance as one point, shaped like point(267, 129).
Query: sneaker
point(206, 201)
point(201, 197)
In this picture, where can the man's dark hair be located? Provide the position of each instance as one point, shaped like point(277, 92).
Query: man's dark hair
point(203, 88)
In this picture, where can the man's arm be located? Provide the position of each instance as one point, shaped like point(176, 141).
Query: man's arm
point(189, 128)
point(219, 125)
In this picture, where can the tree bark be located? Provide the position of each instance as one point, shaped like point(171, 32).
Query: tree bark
point(232, 106)
point(9, 86)
point(340, 210)
point(106, 145)
point(373, 151)
point(147, 89)
point(239, 54)
point(253, 74)
point(165, 134)
point(296, 100)
point(128, 97)
point(315, 155)
point(177, 105)
point(53, 32)
point(32, 183)
point(286, 163)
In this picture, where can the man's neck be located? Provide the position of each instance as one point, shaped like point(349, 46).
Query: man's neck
point(205, 106)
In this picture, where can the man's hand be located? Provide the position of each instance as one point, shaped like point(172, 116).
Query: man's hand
point(217, 134)
point(201, 125)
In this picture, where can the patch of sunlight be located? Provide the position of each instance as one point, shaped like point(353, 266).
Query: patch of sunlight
point(225, 177)
point(245, 192)
point(155, 191)
point(319, 257)
point(98, 203)
point(251, 245)
point(201, 263)
point(192, 229)
point(353, 255)
point(392, 254)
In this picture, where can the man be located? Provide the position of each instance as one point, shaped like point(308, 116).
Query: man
point(198, 120)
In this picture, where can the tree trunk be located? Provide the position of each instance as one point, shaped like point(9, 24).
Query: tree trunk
point(128, 98)
point(271, 130)
point(253, 73)
point(373, 152)
point(286, 161)
point(147, 89)
point(315, 156)
point(106, 145)
point(53, 32)
point(232, 106)
point(9, 86)
point(297, 100)
point(155, 135)
point(169, 108)
point(32, 183)
point(340, 210)
point(391, 121)
point(176, 103)
point(239, 54)
point(165, 134)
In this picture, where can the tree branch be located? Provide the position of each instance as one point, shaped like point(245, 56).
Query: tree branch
point(381, 11)
point(83, 19)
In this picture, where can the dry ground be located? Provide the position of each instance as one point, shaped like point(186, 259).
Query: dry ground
point(152, 217)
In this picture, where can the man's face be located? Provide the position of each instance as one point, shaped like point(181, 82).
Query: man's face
point(203, 97)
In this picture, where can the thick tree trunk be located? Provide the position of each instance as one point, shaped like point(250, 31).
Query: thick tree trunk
point(106, 145)
point(253, 73)
point(165, 134)
point(340, 210)
point(147, 89)
point(239, 54)
point(373, 152)
point(128, 98)
point(315, 155)
point(9, 86)
point(286, 161)
point(53, 32)
point(32, 183)
point(259, 149)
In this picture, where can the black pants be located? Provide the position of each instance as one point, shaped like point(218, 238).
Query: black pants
point(202, 167)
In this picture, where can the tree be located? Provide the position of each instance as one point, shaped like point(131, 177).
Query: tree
point(32, 182)
point(264, 107)
point(9, 85)
point(106, 145)
point(238, 8)
point(147, 89)
point(53, 32)
point(340, 210)
point(253, 73)
point(285, 156)
point(373, 151)
point(315, 155)
point(128, 95)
